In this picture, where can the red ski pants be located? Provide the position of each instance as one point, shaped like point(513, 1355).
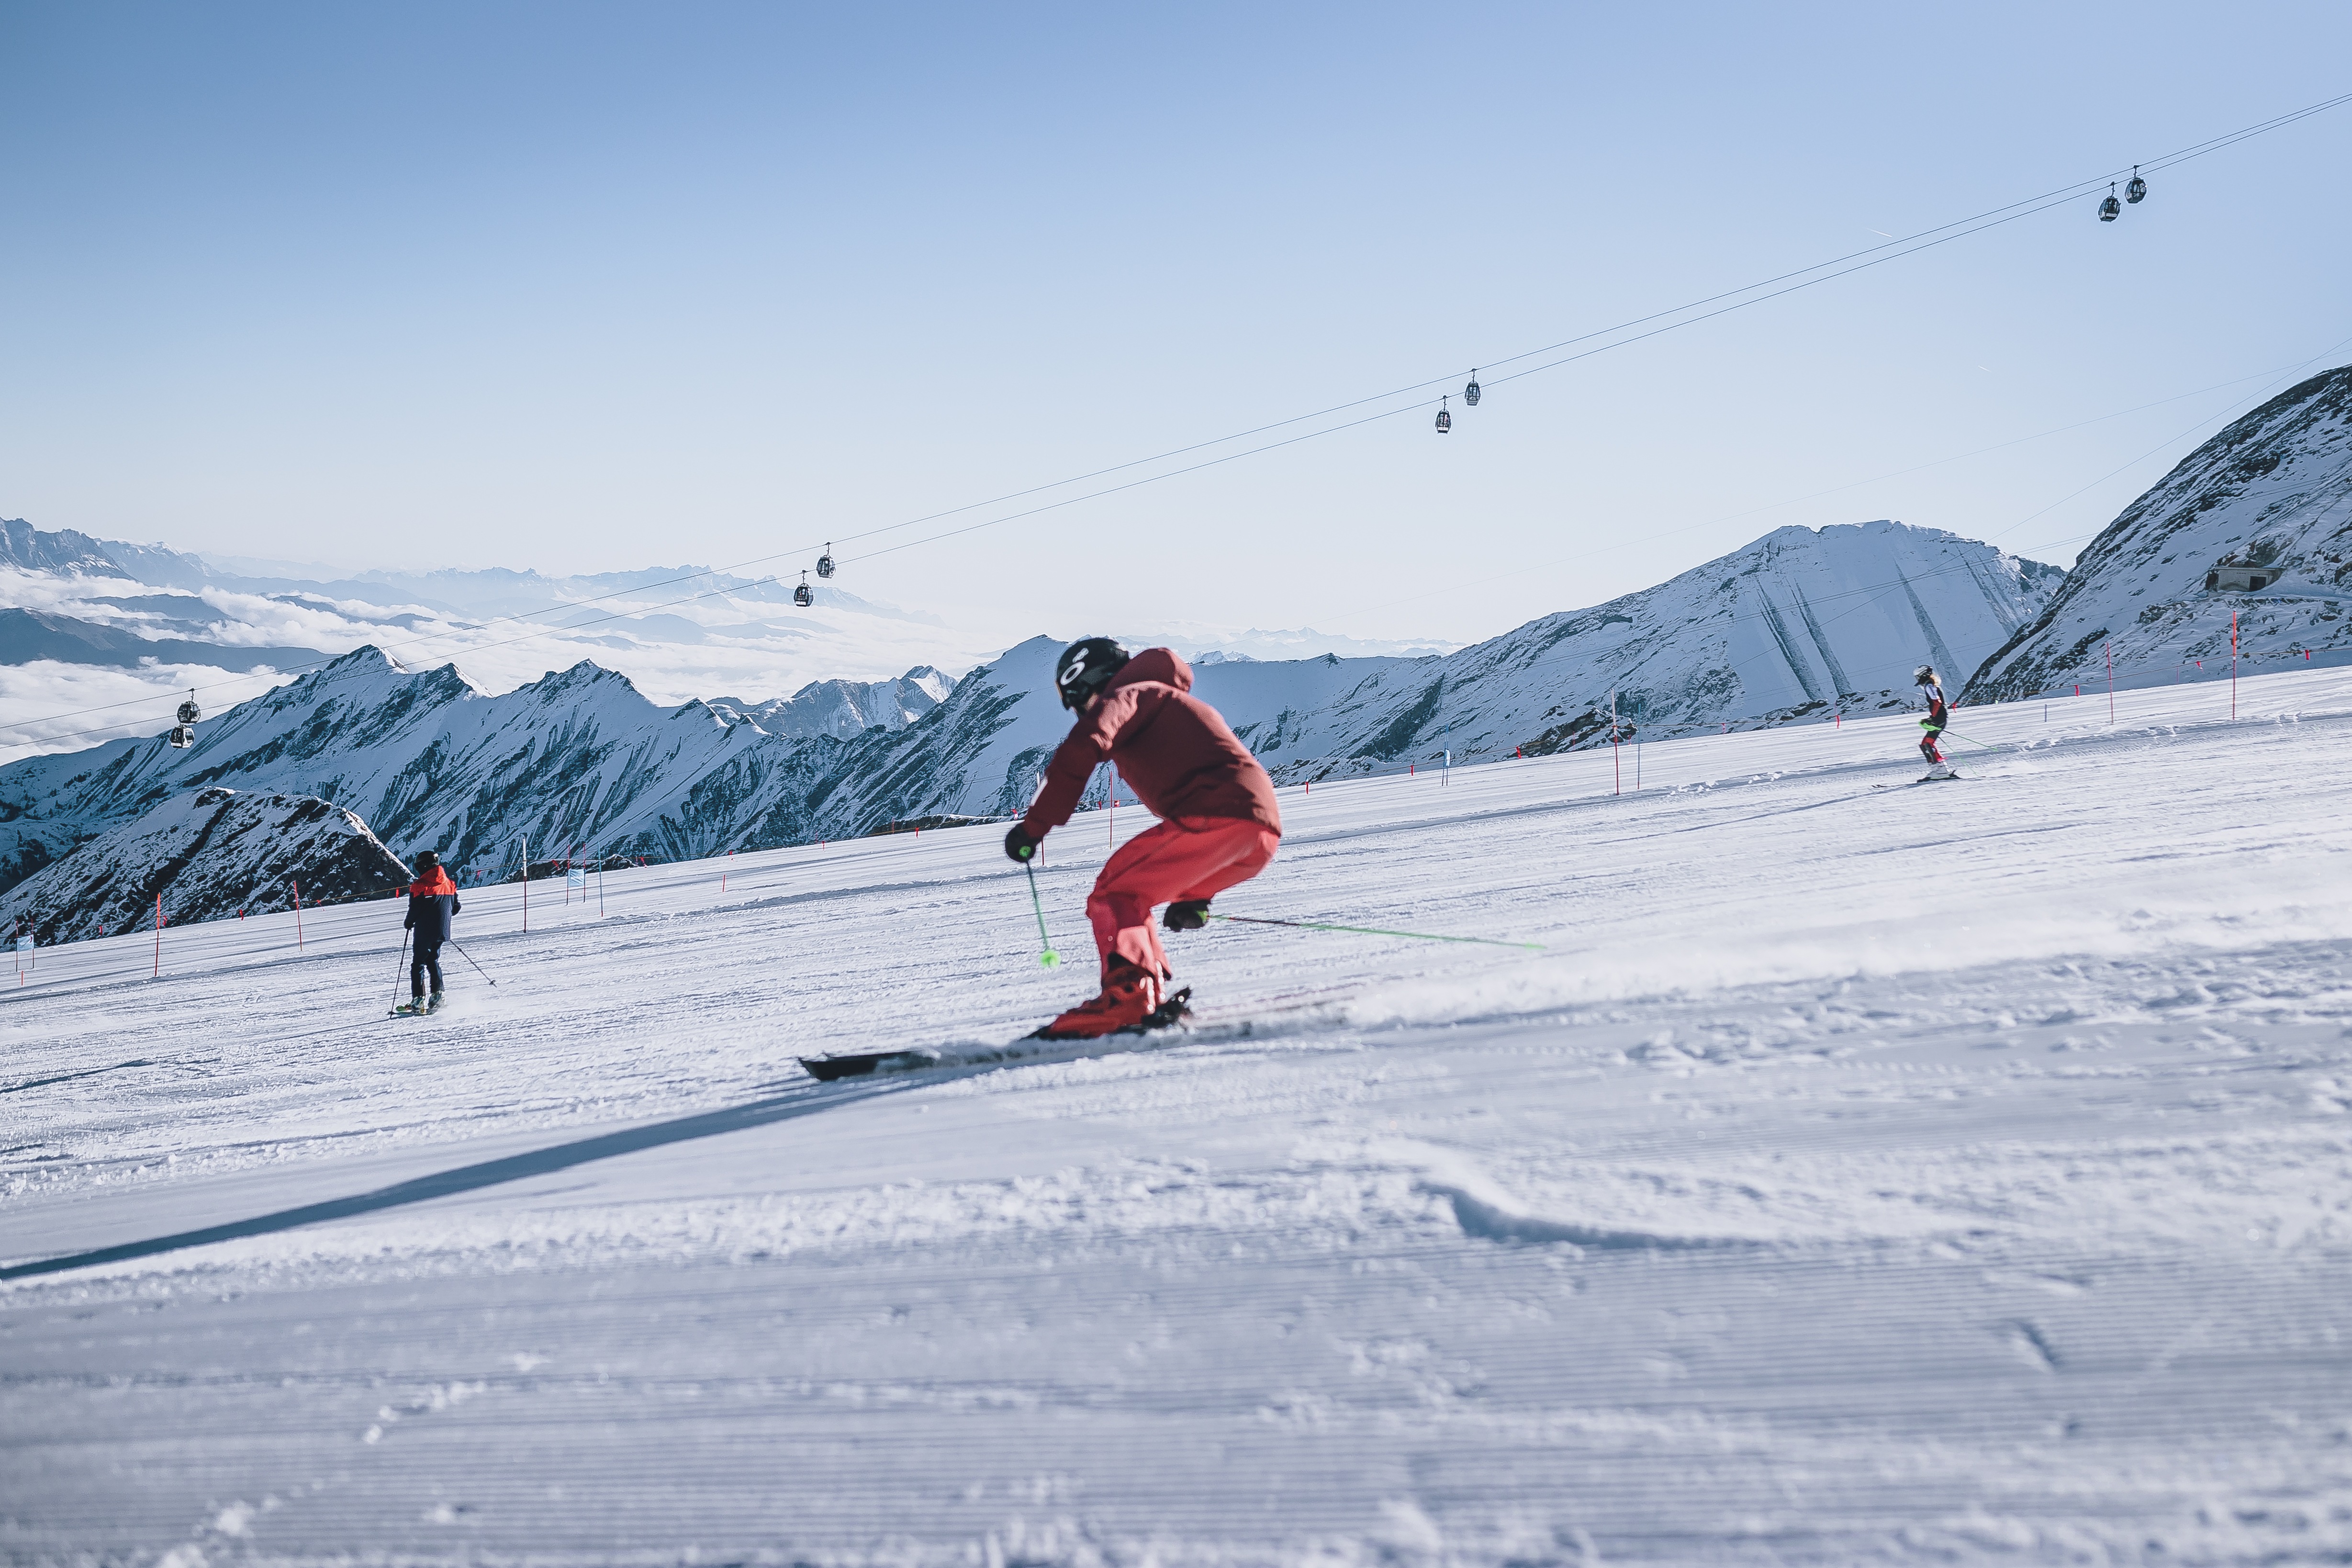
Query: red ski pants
point(1186, 857)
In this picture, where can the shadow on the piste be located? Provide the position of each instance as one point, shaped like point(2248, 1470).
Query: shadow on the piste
point(470, 1178)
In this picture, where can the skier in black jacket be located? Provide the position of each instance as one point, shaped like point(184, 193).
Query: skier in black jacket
point(431, 906)
point(1938, 714)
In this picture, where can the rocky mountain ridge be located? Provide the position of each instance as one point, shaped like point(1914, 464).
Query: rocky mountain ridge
point(2273, 490)
point(200, 856)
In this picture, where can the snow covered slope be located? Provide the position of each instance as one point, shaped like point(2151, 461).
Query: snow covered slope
point(1778, 1212)
point(2273, 490)
point(1801, 621)
point(209, 855)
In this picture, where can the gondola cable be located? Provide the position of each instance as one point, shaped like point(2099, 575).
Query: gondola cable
point(1961, 228)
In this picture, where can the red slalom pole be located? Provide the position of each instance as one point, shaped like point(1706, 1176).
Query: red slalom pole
point(159, 936)
point(2234, 664)
point(298, 914)
point(1615, 760)
point(2110, 649)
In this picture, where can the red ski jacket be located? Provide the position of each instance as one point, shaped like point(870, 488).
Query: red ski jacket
point(432, 901)
point(1172, 748)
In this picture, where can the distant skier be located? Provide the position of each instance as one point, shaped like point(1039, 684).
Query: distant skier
point(1219, 825)
point(1938, 714)
point(432, 907)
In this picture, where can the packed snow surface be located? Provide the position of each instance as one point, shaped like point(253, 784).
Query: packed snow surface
point(1862, 1172)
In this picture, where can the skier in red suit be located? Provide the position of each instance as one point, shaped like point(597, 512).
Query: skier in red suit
point(1218, 825)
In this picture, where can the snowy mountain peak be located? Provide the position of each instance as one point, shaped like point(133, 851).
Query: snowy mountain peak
point(2274, 490)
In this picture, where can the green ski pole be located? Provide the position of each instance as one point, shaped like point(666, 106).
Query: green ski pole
point(1372, 930)
point(1049, 957)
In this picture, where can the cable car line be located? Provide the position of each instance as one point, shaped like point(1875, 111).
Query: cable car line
point(1520, 569)
point(1962, 228)
point(2160, 445)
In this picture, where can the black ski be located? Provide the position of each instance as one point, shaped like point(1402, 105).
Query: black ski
point(1034, 1045)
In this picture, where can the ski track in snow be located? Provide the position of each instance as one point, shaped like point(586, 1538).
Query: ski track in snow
point(1860, 1174)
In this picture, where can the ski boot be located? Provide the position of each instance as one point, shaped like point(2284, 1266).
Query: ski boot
point(433, 1005)
point(1131, 995)
point(413, 1007)
point(1939, 770)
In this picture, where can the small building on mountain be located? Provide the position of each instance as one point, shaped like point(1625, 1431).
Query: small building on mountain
point(2229, 579)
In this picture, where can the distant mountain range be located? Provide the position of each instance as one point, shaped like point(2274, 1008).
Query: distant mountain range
point(845, 708)
point(104, 618)
point(1801, 623)
point(26, 636)
point(578, 762)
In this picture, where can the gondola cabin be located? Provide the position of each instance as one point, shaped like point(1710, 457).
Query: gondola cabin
point(183, 736)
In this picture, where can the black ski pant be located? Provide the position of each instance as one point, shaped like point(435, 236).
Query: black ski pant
point(1926, 749)
point(427, 958)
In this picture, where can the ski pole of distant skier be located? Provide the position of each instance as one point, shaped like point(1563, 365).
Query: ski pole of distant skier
point(1049, 957)
point(469, 958)
point(400, 973)
point(1373, 930)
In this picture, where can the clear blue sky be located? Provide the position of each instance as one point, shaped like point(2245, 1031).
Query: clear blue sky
point(587, 287)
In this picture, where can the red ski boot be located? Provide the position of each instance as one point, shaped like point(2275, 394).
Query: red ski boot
point(1131, 995)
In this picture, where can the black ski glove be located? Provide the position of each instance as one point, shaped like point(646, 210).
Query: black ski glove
point(1019, 844)
point(1186, 914)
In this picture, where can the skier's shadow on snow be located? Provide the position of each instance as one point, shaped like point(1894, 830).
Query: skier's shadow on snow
point(469, 1178)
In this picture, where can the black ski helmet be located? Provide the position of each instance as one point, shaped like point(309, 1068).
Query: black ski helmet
point(1084, 668)
point(1925, 676)
point(427, 860)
